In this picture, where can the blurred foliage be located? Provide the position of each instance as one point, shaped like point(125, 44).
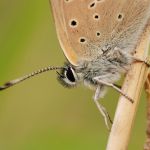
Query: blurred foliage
point(40, 114)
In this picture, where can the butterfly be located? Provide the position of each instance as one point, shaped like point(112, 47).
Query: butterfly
point(98, 38)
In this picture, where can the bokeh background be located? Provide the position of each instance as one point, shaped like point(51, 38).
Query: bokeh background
point(40, 114)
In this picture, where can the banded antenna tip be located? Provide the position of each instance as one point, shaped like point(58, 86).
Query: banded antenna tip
point(35, 73)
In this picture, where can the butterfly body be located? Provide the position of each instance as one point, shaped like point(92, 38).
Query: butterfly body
point(101, 35)
point(99, 38)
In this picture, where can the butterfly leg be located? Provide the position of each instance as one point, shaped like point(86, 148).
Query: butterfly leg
point(114, 87)
point(146, 60)
point(101, 108)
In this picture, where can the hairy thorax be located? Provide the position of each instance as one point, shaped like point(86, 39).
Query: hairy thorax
point(108, 67)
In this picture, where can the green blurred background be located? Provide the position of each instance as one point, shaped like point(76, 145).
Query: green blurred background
point(40, 114)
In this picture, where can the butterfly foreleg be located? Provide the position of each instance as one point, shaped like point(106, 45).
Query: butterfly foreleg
point(114, 87)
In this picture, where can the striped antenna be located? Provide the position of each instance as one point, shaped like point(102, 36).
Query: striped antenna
point(16, 81)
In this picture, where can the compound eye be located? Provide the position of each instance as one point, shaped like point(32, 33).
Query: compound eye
point(70, 75)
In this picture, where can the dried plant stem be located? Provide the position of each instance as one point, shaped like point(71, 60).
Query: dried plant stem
point(125, 113)
point(147, 89)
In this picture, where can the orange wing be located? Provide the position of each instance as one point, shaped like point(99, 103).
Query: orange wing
point(60, 24)
point(86, 27)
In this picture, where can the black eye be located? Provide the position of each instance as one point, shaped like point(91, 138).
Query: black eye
point(69, 75)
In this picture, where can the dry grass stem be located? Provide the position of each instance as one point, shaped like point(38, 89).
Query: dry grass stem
point(125, 113)
point(147, 89)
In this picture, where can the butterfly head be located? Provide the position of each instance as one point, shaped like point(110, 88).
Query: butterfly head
point(68, 76)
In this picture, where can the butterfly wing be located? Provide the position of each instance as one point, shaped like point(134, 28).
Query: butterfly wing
point(60, 23)
point(87, 27)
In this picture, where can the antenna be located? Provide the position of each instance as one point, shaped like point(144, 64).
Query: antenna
point(35, 73)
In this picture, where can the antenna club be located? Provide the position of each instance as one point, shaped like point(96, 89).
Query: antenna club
point(16, 81)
